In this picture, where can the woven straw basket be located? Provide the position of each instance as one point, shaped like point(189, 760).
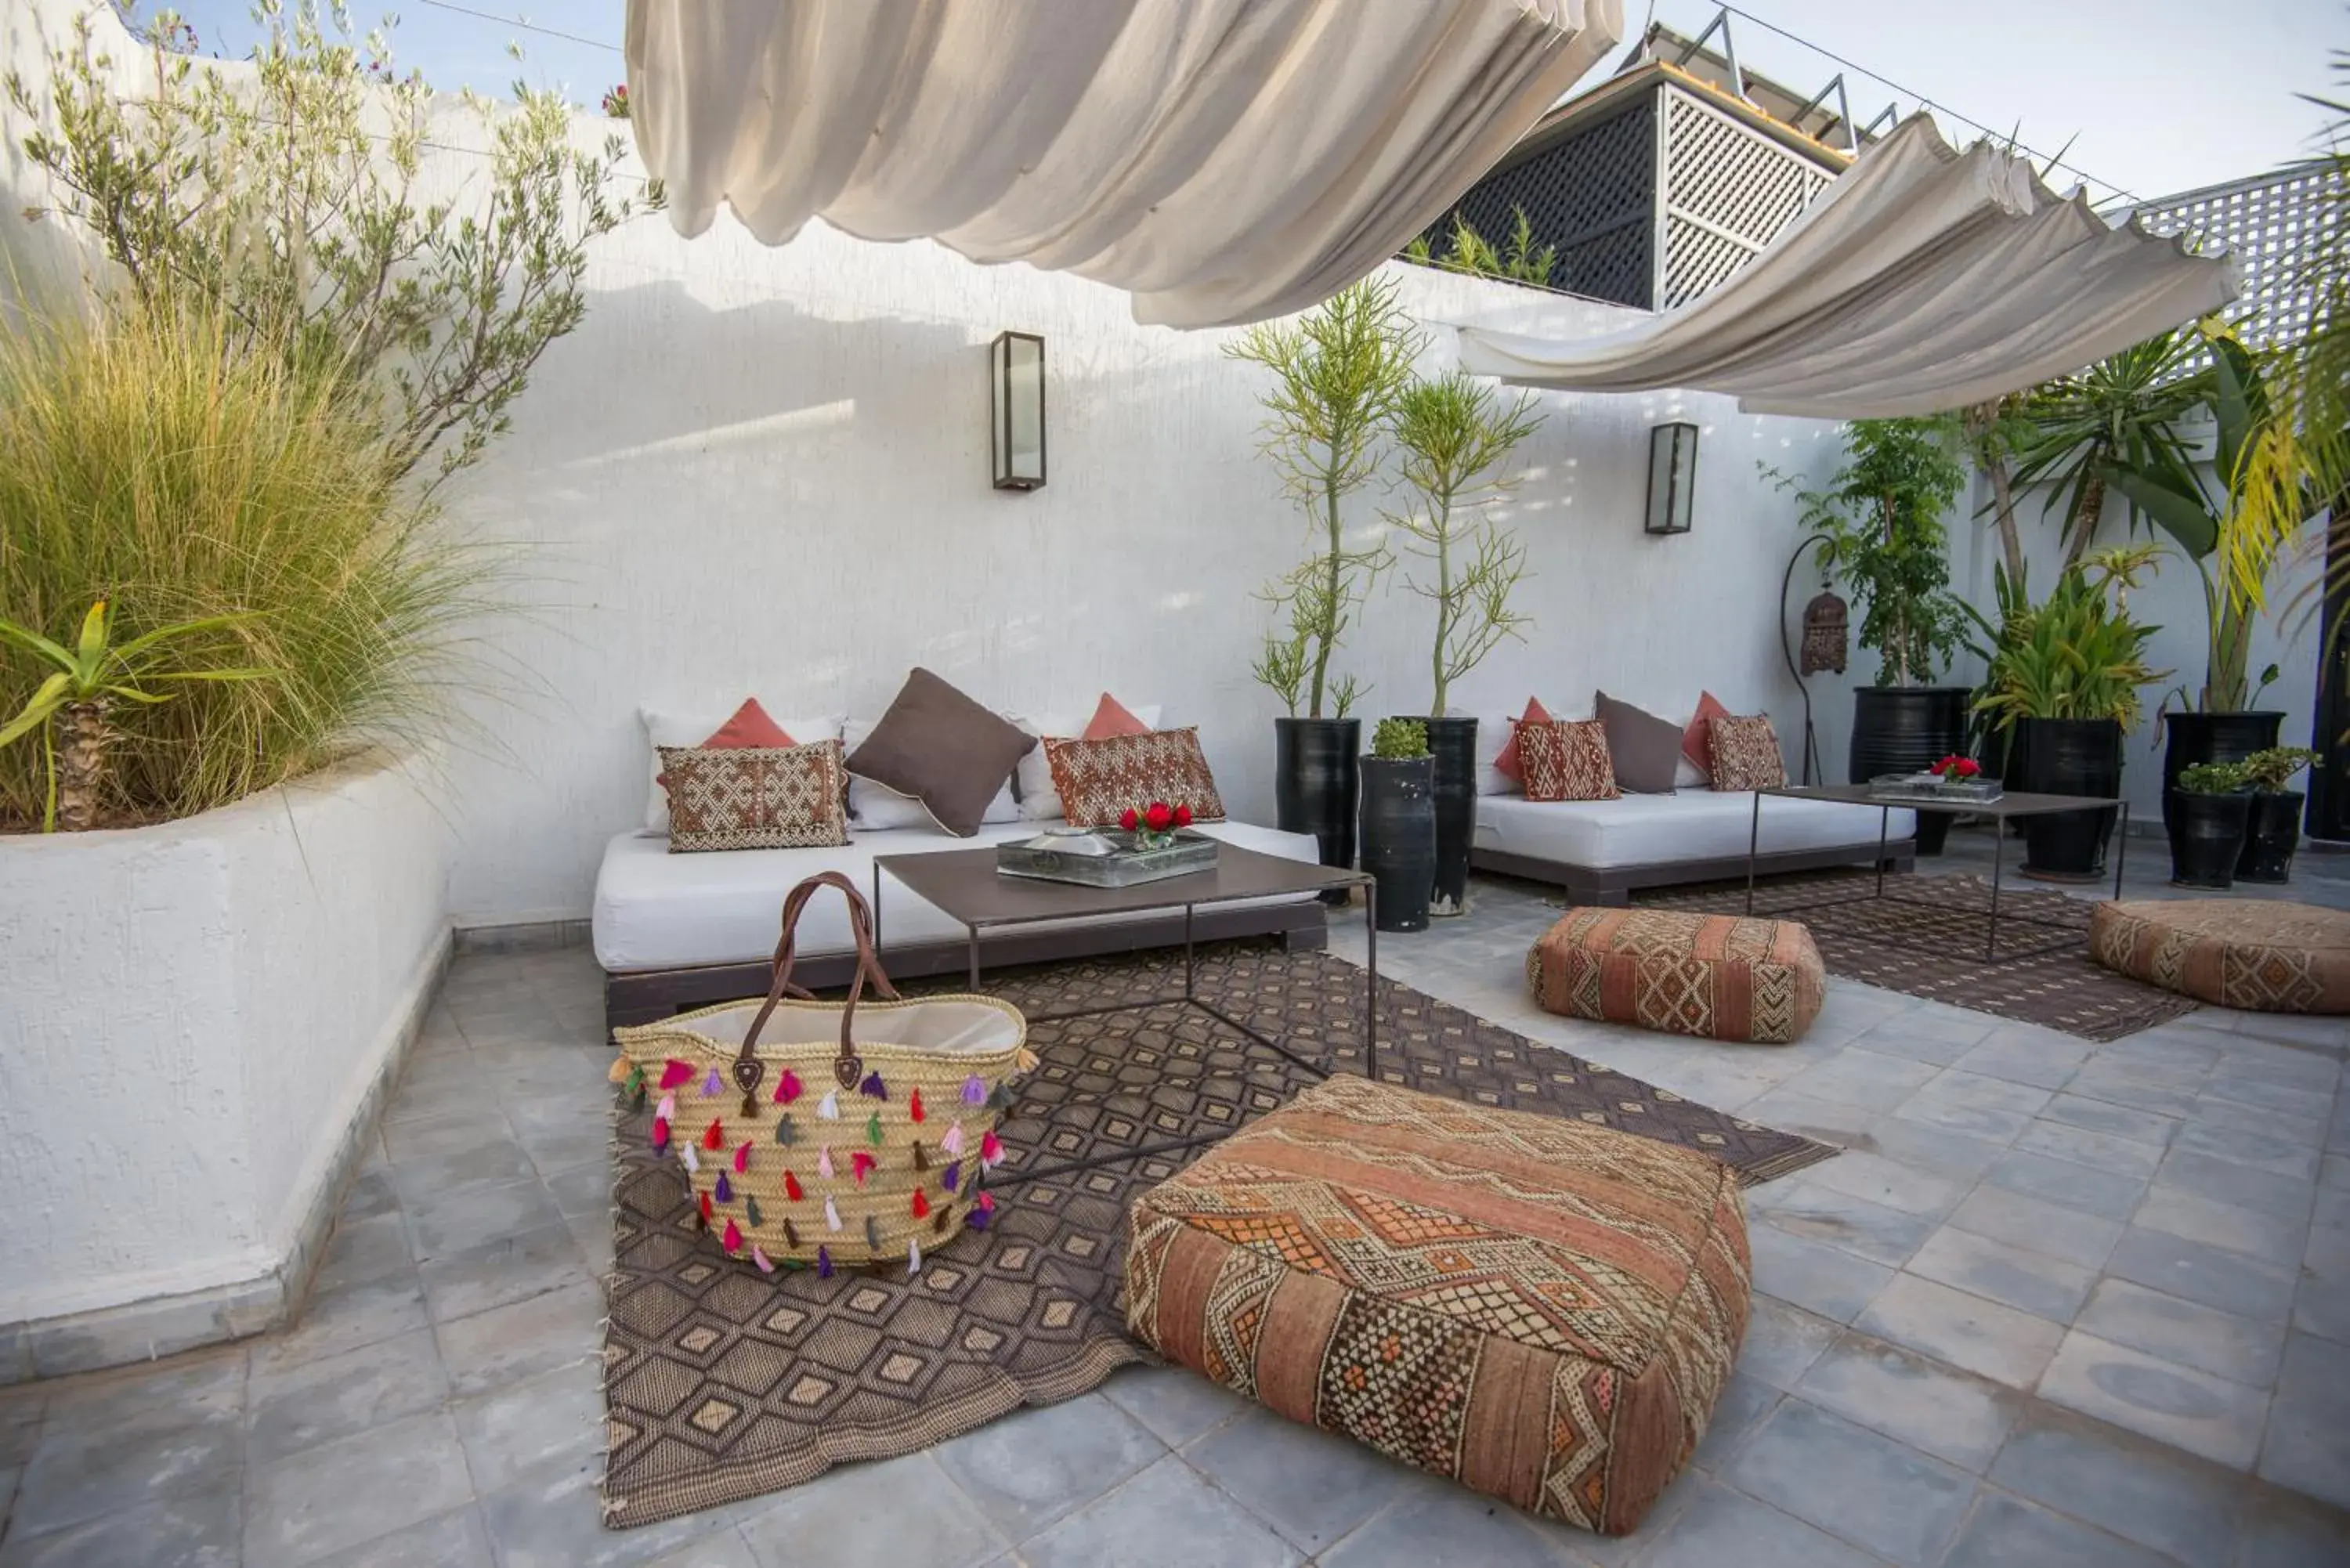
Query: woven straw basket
point(858, 1134)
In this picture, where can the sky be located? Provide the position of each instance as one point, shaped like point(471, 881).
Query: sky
point(2153, 95)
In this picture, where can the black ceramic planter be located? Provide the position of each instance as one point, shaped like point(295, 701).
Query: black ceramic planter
point(2067, 756)
point(2271, 832)
point(1314, 783)
point(1399, 837)
point(2206, 835)
point(2191, 738)
point(1452, 748)
point(1906, 730)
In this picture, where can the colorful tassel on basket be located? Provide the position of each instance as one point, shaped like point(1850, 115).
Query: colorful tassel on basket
point(743, 1157)
point(991, 1150)
point(860, 1165)
point(873, 1130)
point(873, 1088)
point(618, 1073)
point(824, 1262)
point(787, 1088)
point(784, 1134)
point(831, 1216)
point(938, 1222)
point(951, 1145)
point(951, 1176)
point(715, 1135)
point(674, 1072)
point(913, 1258)
point(751, 1210)
point(914, 1104)
point(792, 1187)
point(725, 1189)
point(704, 1207)
point(693, 1160)
point(661, 1132)
point(761, 1258)
point(791, 1236)
point(824, 1162)
point(667, 1110)
point(713, 1084)
point(974, 1093)
point(872, 1234)
point(977, 1218)
point(731, 1239)
point(921, 1161)
point(922, 1205)
point(1001, 1097)
point(829, 1107)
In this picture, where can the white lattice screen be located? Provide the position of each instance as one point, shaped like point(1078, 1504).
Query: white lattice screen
point(2271, 225)
point(1728, 190)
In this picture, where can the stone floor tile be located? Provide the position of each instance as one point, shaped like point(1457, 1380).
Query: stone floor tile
point(2307, 1446)
point(1887, 1182)
point(2240, 1349)
point(1745, 1401)
point(362, 1249)
point(2285, 1530)
point(1781, 1342)
point(728, 1549)
point(1973, 1104)
point(457, 1539)
point(1818, 1212)
point(2293, 1100)
point(1167, 1517)
point(2003, 1531)
point(2038, 1059)
point(2270, 1238)
point(2082, 1145)
point(1717, 1526)
point(1856, 1076)
point(2168, 1094)
point(496, 1161)
point(2285, 1196)
point(298, 1408)
point(902, 1511)
point(459, 1132)
point(2120, 1121)
point(554, 1420)
point(80, 1472)
point(2181, 1405)
point(2321, 1304)
point(2232, 1281)
point(1966, 1331)
point(1830, 1121)
point(1854, 1483)
point(1436, 1524)
point(1176, 1403)
point(1031, 1468)
point(1898, 1038)
point(1923, 1148)
point(511, 1343)
point(2305, 1128)
point(2037, 1225)
point(498, 1272)
point(197, 1389)
point(556, 1520)
point(1312, 1487)
point(2112, 1194)
point(2263, 1149)
point(1817, 1277)
point(584, 1191)
point(1932, 1407)
point(2146, 1492)
point(472, 1217)
point(330, 1498)
point(202, 1529)
point(345, 1319)
point(20, 1425)
point(2039, 1285)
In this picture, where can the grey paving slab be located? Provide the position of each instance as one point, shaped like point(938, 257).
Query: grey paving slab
point(553, 1421)
point(1888, 1182)
point(2120, 1121)
point(1975, 1105)
point(1434, 1524)
point(2197, 1272)
point(364, 1249)
point(2003, 1531)
point(1856, 1076)
point(1812, 1274)
point(1934, 1408)
point(554, 1520)
point(2111, 1194)
point(2084, 1145)
point(1820, 1213)
point(2165, 1092)
point(1312, 1487)
point(2307, 1444)
point(459, 1133)
point(2240, 1349)
point(2322, 1304)
point(501, 1271)
point(2305, 1128)
point(345, 1318)
point(1031, 1469)
point(471, 1216)
point(297, 1407)
point(202, 1529)
point(330, 1498)
point(79, 1472)
point(1783, 1341)
point(2144, 1491)
point(2264, 1148)
point(1983, 1266)
point(1716, 1525)
point(2036, 1058)
point(457, 1539)
point(1854, 1483)
point(496, 1161)
point(1745, 1401)
point(2182, 1405)
point(2226, 1226)
point(901, 1510)
point(2284, 1529)
point(191, 1390)
point(2286, 1197)
point(1176, 1403)
point(508, 1344)
point(2049, 1229)
point(1966, 1331)
point(1931, 1149)
point(1167, 1517)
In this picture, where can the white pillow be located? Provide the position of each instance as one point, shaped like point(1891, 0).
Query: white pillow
point(878, 807)
point(1493, 734)
point(692, 727)
point(1039, 801)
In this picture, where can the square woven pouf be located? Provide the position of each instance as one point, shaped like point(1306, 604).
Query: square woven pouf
point(1719, 977)
point(1544, 1310)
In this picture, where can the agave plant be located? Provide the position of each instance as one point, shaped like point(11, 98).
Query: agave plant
point(70, 709)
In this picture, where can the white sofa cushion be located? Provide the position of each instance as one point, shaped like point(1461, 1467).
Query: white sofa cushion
point(1690, 825)
point(690, 727)
point(657, 910)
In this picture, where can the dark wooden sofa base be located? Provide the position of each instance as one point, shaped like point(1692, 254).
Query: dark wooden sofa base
point(643, 996)
point(1612, 885)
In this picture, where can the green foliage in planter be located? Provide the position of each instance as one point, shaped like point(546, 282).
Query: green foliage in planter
point(1882, 514)
point(1399, 740)
point(1517, 260)
point(2270, 771)
point(181, 482)
point(2213, 778)
point(2077, 656)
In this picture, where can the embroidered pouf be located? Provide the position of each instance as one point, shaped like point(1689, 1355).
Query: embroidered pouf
point(2259, 954)
point(1544, 1310)
point(1715, 976)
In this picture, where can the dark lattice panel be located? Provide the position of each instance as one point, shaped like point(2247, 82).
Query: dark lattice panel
point(1728, 192)
point(2270, 226)
point(1589, 195)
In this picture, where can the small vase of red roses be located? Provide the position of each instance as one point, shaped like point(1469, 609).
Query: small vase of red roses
point(1155, 826)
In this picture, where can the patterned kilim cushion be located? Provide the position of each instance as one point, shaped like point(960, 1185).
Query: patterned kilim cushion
point(1745, 752)
point(2257, 954)
point(1099, 780)
point(1543, 1310)
point(754, 798)
point(1567, 759)
point(1715, 976)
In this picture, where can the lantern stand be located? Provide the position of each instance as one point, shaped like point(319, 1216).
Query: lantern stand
point(1811, 762)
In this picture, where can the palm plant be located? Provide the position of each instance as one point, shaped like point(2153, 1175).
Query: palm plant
point(2122, 412)
point(70, 709)
point(2077, 656)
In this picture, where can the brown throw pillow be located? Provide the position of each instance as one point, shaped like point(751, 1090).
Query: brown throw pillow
point(1745, 752)
point(1567, 759)
point(943, 749)
point(1099, 780)
point(754, 798)
point(1645, 749)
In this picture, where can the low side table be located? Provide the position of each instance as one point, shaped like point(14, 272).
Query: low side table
point(2015, 803)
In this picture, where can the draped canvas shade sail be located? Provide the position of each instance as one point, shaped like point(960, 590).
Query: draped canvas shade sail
point(1224, 160)
point(1923, 280)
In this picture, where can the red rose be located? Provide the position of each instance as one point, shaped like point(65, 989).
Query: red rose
point(1161, 817)
point(1131, 820)
point(1968, 767)
point(1182, 817)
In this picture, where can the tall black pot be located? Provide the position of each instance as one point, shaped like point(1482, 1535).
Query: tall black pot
point(1453, 747)
point(2067, 756)
point(1314, 783)
point(2191, 738)
point(2206, 835)
point(2271, 832)
point(1399, 837)
point(1906, 730)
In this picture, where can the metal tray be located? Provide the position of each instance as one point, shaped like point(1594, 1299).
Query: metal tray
point(1125, 867)
point(1925, 789)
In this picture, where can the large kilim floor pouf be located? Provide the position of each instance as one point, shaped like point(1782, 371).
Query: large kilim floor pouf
point(2257, 954)
point(1543, 1310)
point(1715, 976)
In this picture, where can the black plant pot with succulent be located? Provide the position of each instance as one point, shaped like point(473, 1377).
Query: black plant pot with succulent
point(2206, 824)
point(2272, 831)
point(1399, 823)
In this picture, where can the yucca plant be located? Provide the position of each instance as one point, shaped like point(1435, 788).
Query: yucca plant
point(2080, 655)
point(70, 709)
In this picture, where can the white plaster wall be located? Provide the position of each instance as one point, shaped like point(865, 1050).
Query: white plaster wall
point(189, 1017)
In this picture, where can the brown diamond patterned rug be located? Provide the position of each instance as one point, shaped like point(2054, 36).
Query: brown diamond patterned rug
point(1926, 938)
point(722, 1383)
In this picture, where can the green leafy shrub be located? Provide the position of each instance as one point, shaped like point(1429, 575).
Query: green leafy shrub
point(1399, 740)
point(2077, 656)
point(2213, 778)
point(2270, 771)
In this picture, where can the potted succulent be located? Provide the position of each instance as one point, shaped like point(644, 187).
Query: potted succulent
point(1456, 433)
point(2064, 683)
point(1882, 518)
point(2273, 830)
point(1399, 823)
point(2206, 824)
point(1338, 372)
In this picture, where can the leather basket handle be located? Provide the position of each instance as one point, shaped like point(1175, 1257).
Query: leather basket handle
point(846, 1067)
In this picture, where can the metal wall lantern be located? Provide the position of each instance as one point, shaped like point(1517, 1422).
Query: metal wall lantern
point(1015, 388)
point(1672, 477)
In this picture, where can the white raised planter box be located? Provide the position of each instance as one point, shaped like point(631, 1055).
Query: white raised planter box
point(198, 1024)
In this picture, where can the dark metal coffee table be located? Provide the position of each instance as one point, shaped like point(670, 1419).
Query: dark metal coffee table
point(965, 886)
point(2013, 804)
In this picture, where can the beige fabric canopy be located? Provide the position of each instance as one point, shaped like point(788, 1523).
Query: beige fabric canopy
point(1923, 280)
point(1224, 160)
